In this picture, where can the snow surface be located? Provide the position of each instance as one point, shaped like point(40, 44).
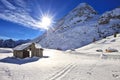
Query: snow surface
point(5, 50)
point(60, 65)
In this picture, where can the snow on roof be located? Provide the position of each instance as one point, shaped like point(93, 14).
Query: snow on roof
point(23, 46)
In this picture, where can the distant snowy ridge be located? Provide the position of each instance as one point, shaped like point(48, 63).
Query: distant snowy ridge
point(106, 17)
point(9, 43)
point(80, 27)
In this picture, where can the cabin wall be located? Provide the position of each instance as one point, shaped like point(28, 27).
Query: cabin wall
point(18, 54)
point(39, 52)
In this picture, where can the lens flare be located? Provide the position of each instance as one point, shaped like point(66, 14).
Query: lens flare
point(46, 22)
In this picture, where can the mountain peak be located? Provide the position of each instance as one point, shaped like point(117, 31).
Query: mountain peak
point(86, 7)
point(82, 5)
point(79, 28)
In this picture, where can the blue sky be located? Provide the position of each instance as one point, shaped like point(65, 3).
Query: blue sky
point(19, 18)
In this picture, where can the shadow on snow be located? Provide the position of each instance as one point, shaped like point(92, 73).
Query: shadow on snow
point(19, 61)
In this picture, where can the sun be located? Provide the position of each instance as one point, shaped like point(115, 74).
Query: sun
point(45, 22)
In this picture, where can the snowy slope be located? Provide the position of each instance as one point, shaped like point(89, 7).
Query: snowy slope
point(55, 65)
point(99, 48)
point(80, 27)
point(111, 41)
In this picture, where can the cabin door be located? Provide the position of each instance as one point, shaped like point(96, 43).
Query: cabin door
point(25, 54)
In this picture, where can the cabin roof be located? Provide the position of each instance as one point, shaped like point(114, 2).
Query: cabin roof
point(23, 46)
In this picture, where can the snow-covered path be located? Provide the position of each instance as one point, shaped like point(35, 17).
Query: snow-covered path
point(57, 65)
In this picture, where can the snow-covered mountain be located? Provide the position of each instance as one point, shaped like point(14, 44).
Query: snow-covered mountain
point(106, 17)
point(80, 27)
point(9, 43)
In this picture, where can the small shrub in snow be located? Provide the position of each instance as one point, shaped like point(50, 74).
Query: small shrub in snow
point(115, 35)
point(113, 40)
point(94, 39)
point(72, 49)
point(59, 49)
point(99, 50)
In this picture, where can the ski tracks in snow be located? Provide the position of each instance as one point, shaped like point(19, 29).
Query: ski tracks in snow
point(62, 72)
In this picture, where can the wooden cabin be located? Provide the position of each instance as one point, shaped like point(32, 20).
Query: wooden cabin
point(28, 50)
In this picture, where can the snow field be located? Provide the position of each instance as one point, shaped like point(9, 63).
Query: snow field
point(57, 65)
